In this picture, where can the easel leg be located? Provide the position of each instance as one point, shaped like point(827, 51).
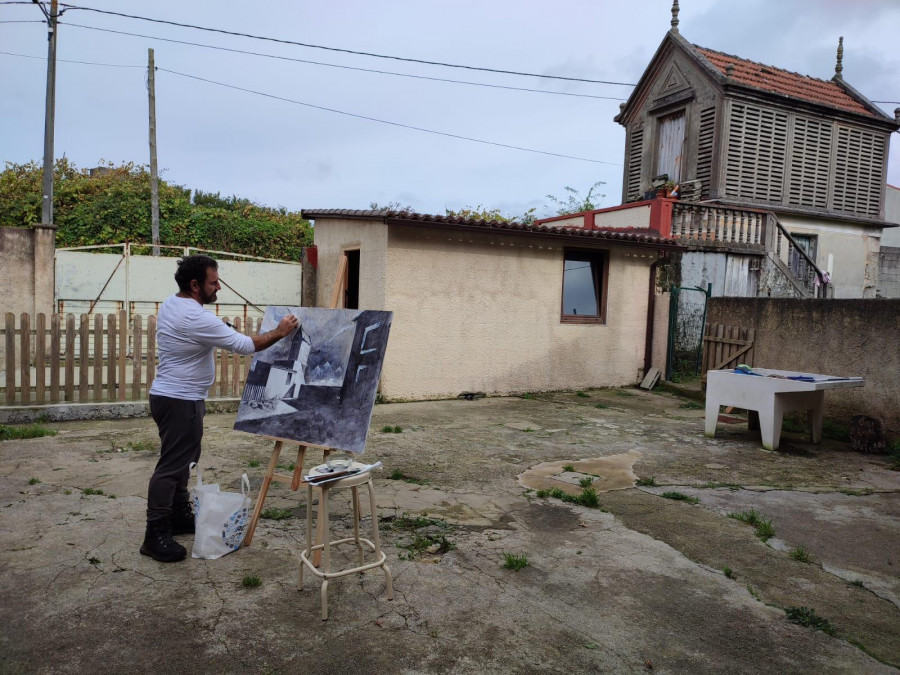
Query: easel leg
point(263, 491)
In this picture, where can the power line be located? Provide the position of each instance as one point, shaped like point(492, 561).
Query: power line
point(334, 65)
point(381, 121)
point(86, 63)
point(344, 51)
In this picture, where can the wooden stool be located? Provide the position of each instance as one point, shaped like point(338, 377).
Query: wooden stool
point(322, 524)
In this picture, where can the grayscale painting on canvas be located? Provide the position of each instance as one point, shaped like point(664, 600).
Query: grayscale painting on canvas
point(318, 385)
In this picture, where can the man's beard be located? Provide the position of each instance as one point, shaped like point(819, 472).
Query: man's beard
point(207, 299)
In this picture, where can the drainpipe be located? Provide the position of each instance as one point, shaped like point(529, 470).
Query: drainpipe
point(651, 306)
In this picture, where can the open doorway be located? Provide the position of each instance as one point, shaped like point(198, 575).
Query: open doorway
point(351, 297)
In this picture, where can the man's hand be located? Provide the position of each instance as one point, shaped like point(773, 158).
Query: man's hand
point(287, 325)
point(284, 328)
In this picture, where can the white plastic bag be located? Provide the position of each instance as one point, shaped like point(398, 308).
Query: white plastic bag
point(221, 518)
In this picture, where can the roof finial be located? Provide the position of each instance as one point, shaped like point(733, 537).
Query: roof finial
point(675, 16)
point(839, 66)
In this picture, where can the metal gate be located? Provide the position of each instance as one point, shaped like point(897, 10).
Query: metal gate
point(687, 319)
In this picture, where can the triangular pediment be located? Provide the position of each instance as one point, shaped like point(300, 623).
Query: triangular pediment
point(673, 81)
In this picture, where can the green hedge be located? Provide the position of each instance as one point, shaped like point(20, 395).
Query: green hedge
point(114, 207)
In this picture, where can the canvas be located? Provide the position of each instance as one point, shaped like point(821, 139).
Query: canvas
point(318, 385)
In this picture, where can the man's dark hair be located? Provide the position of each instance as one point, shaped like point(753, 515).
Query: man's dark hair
point(193, 267)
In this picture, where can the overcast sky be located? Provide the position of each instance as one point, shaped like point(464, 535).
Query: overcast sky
point(279, 153)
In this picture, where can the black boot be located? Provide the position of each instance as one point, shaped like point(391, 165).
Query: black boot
point(158, 542)
point(183, 518)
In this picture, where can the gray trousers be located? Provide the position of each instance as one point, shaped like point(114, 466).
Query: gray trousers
point(180, 432)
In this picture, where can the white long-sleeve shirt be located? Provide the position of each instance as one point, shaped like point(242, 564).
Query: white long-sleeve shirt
point(186, 336)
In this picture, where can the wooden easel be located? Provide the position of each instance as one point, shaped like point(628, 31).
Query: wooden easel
point(295, 479)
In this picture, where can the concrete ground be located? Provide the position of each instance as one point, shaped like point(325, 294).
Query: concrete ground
point(638, 584)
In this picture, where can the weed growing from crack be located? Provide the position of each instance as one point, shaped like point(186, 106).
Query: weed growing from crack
point(91, 491)
point(568, 467)
point(13, 433)
point(601, 406)
point(801, 554)
point(388, 429)
point(806, 616)
point(514, 561)
point(274, 513)
point(680, 497)
point(728, 572)
point(858, 583)
point(712, 485)
point(764, 528)
point(586, 482)
point(429, 535)
point(588, 497)
point(397, 474)
point(94, 561)
point(755, 593)
point(251, 581)
point(646, 482)
point(34, 481)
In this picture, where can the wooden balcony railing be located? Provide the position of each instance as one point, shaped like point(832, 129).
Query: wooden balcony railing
point(706, 223)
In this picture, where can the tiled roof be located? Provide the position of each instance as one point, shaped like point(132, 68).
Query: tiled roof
point(779, 81)
point(644, 237)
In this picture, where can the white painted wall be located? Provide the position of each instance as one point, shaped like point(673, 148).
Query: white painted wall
point(80, 276)
point(891, 236)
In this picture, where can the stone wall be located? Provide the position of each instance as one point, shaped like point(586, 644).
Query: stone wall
point(837, 337)
point(26, 269)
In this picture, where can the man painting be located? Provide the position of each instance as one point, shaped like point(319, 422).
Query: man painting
point(187, 336)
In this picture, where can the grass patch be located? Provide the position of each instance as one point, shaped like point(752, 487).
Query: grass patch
point(91, 491)
point(253, 463)
point(388, 429)
point(680, 497)
point(528, 397)
point(793, 425)
point(14, 433)
point(286, 467)
point(755, 593)
point(274, 513)
point(623, 392)
point(516, 562)
point(692, 405)
point(646, 482)
point(862, 492)
point(801, 554)
point(582, 394)
point(568, 467)
point(251, 581)
point(600, 405)
point(397, 474)
point(728, 572)
point(34, 481)
point(764, 528)
point(588, 497)
point(140, 446)
point(428, 535)
point(586, 482)
point(806, 616)
point(858, 583)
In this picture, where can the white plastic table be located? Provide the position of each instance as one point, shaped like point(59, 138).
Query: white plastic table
point(772, 393)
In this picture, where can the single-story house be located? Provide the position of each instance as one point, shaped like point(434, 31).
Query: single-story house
point(497, 307)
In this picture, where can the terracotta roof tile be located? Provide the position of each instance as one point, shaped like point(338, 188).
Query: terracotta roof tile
point(779, 81)
point(626, 236)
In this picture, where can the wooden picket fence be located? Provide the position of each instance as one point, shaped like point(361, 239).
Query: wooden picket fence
point(93, 358)
point(726, 347)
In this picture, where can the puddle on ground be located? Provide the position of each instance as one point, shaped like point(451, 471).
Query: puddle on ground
point(611, 473)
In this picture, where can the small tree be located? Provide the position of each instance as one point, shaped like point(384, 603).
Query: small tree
point(575, 203)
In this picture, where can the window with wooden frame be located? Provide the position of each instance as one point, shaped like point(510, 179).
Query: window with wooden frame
point(585, 276)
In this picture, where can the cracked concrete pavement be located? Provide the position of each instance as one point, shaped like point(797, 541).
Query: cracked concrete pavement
point(633, 585)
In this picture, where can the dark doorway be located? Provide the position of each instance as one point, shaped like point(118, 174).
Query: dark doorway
point(351, 299)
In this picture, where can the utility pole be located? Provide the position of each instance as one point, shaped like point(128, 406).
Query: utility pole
point(154, 181)
point(49, 115)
